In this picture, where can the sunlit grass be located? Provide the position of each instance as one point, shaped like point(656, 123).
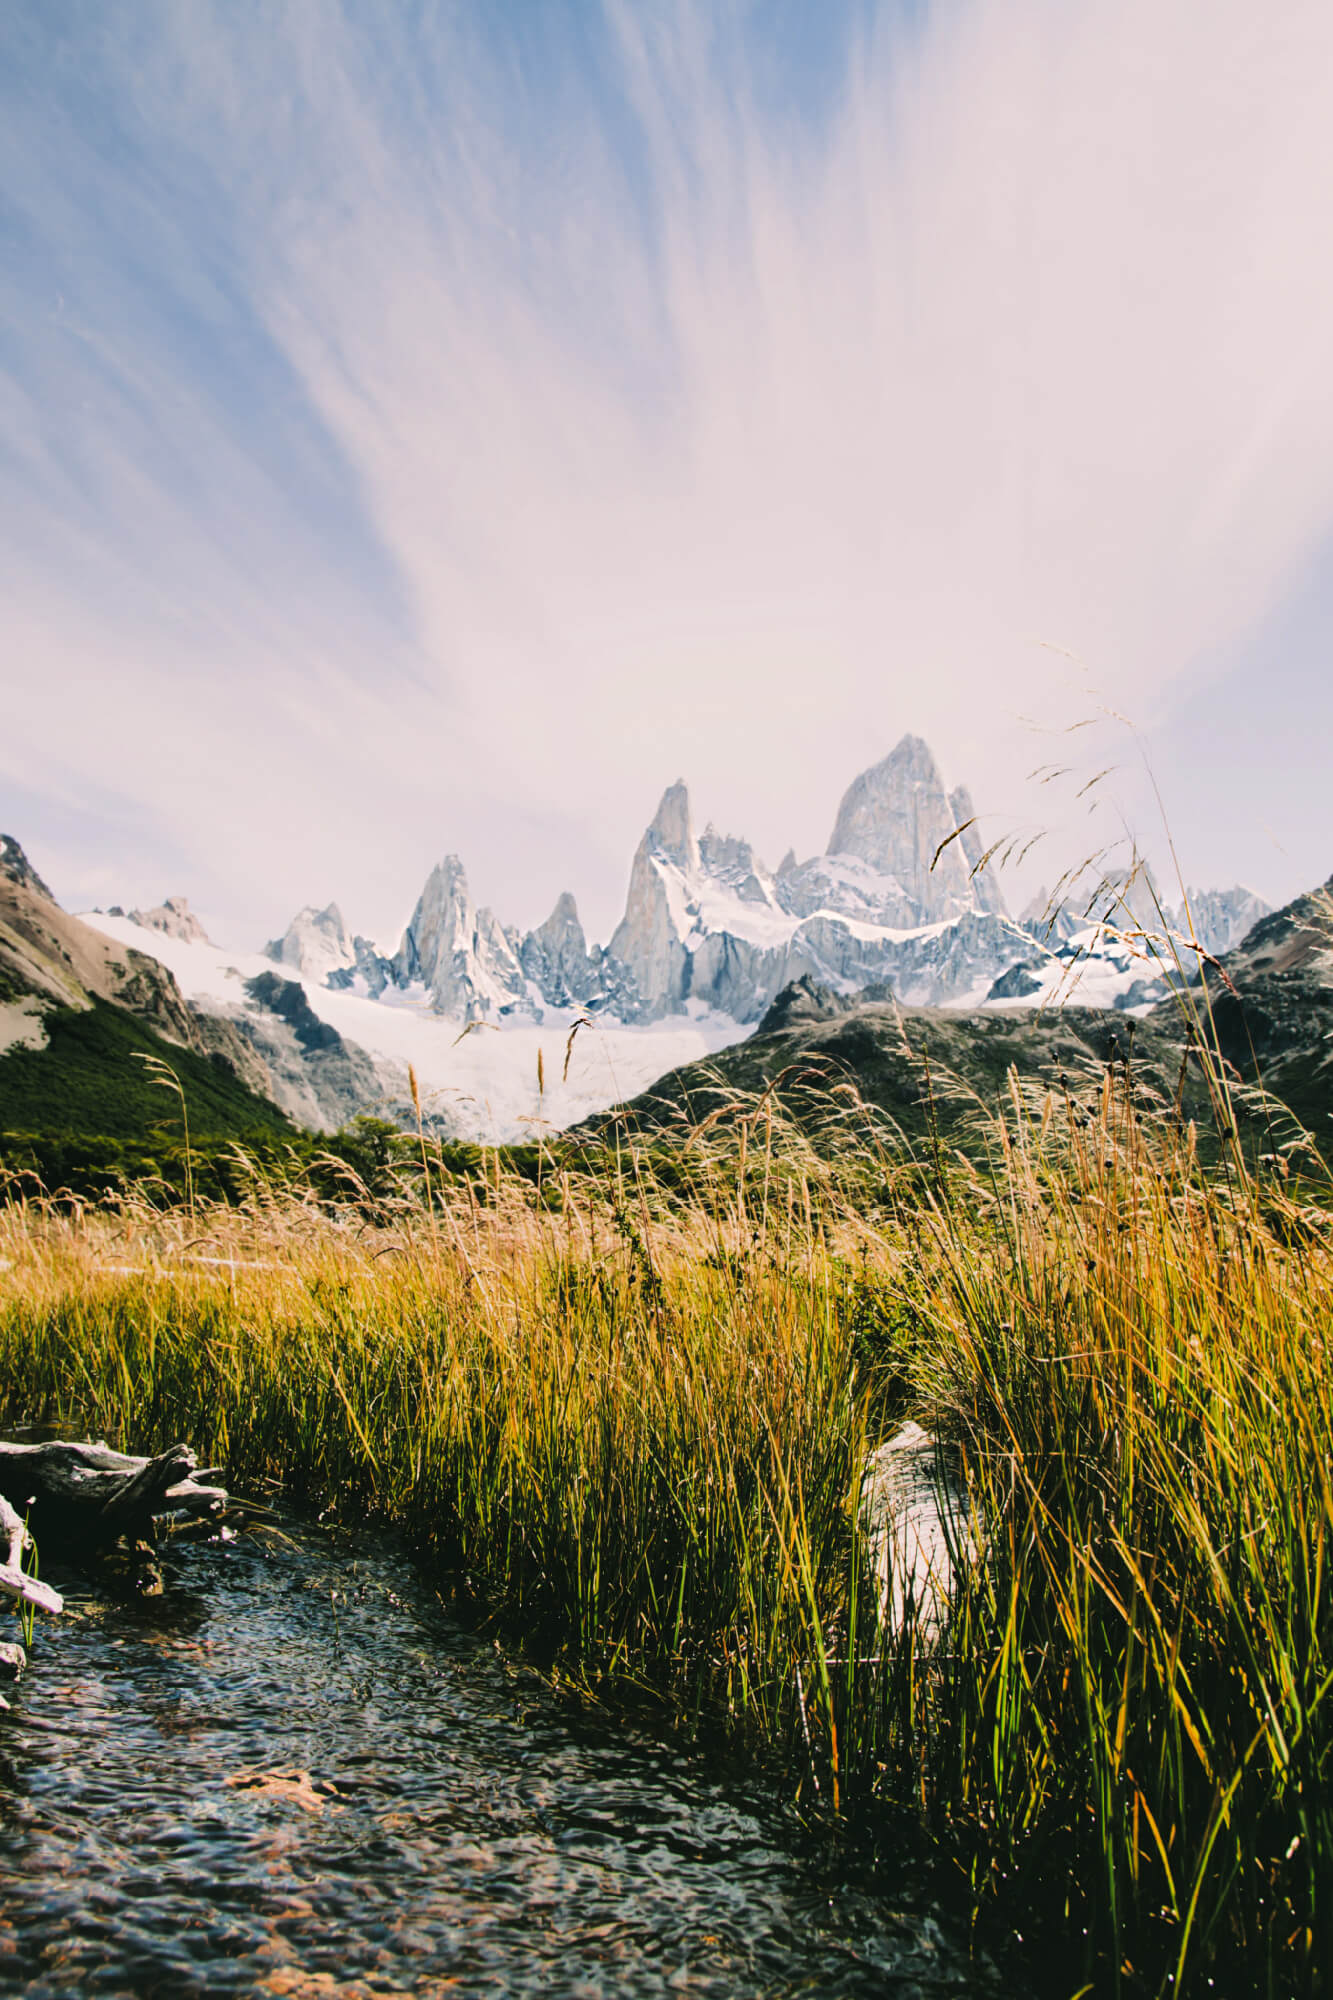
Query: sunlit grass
point(630, 1402)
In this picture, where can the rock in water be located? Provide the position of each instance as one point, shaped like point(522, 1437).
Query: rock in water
point(916, 1521)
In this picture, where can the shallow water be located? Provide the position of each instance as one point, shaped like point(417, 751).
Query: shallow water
point(461, 1827)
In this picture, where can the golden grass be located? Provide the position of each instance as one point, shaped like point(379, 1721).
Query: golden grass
point(631, 1405)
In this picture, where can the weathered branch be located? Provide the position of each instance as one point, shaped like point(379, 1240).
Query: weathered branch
point(13, 1580)
point(87, 1495)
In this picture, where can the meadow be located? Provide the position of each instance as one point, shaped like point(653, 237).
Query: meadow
point(620, 1395)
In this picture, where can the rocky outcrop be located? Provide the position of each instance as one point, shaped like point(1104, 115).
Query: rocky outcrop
point(924, 1072)
point(1133, 901)
point(555, 958)
point(16, 869)
point(1269, 1006)
point(842, 885)
point(369, 973)
point(1047, 920)
point(50, 960)
point(49, 954)
point(1018, 983)
point(649, 940)
point(982, 874)
point(932, 966)
point(1222, 918)
point(174, 918)
point(733, 865)
point(314, 1074)
point(315, 943)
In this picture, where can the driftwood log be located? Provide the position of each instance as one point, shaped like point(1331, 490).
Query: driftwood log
point(83, 1497)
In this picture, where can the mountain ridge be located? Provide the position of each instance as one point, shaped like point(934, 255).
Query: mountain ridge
point(903, 893)
point(932, 1073)
point(77, 1006)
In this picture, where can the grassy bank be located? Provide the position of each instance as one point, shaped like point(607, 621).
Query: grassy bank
point(632, 1409)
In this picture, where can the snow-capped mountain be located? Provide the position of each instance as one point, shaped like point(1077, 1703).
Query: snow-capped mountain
point(707, 926)
point(900, 899)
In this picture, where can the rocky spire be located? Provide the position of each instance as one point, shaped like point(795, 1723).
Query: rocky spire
point(649, 939)
point(672, 829)
point(894, 818)
point(315, 943)
point(555, 957)
point(460, 953)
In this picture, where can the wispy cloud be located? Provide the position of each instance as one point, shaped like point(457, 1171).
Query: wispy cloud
point(441, 430)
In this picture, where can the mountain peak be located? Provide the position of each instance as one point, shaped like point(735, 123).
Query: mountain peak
point(16, 867)
point(672, 828)
point(462, 954)
point(556, 959)
point(315, 942)
point(895, 817)
point(174, 918)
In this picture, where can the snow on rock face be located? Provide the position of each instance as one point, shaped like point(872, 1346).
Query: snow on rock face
point(707, 926)
point(174, 918)
point(702, 921)
point(839, 884)
point(482, 1087)
point(709, 937)
point(732, 864)
point(930, 965)
point(706, 923)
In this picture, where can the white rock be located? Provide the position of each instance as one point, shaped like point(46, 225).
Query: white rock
point(916, 1523)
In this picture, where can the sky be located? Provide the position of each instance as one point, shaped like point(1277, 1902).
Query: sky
point(436, 428)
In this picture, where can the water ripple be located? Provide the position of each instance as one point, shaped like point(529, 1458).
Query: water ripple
point(293, 1775)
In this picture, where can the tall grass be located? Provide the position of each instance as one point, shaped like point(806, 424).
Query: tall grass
point(631, 1403)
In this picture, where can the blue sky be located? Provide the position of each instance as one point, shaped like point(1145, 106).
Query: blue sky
point(432, 428)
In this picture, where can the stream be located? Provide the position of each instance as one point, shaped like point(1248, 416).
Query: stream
point(295, 1774)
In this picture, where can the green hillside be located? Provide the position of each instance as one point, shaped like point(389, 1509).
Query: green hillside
point(89, 1079)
